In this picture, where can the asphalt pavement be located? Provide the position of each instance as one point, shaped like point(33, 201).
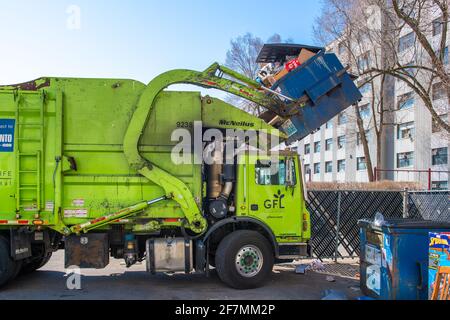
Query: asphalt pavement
point(116, 282)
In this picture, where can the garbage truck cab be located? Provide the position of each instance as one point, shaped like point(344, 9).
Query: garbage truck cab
point(112, 167)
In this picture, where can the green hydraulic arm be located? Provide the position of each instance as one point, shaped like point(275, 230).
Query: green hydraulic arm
point(211, 78)
point(122, 214)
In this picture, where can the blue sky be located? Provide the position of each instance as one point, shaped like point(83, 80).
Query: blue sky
point(136, 39)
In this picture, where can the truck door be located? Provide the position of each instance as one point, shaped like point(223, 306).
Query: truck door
point(275, 195)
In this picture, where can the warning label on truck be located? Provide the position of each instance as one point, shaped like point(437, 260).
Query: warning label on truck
point(49, 205)
point(7, 135)
point(78, 203)
point(75, 213)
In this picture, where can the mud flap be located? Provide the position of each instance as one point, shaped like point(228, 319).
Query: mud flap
point(20, 244)
point(87, 251)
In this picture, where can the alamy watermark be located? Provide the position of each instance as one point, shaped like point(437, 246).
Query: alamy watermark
point(73, 274)
point(196, 146)
point(73, 21)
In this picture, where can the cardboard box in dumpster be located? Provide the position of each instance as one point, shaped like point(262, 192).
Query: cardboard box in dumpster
point(281, 74)
point(293, 64)
point(439, 256)
point(305, 55)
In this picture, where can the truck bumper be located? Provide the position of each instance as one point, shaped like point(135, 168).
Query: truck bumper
point(292, 251)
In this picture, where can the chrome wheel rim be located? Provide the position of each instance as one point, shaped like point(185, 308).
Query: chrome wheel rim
point(249, 261)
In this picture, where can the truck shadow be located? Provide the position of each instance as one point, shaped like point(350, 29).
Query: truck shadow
point(131, 285)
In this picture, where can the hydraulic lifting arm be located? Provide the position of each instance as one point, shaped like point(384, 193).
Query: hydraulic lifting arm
point(213, 78)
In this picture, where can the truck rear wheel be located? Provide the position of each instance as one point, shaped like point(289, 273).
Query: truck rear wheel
point(244, 259)
point(8, 267)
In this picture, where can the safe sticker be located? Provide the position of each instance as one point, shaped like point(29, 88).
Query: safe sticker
point(7, 135)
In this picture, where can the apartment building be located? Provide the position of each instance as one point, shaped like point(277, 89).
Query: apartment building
point(410, 141)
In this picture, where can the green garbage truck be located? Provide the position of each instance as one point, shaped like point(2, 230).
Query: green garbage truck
point(94, 167)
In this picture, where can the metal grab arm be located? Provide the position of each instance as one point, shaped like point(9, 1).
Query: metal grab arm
point(211, 78)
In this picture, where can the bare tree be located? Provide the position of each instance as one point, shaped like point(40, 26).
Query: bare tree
point(425, 18)
point(376, 38)
point(352, 30)
point(241, 57)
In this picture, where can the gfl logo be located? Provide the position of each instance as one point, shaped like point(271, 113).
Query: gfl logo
point(276, 203)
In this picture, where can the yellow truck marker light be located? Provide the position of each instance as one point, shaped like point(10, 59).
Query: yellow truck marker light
point(38, 222)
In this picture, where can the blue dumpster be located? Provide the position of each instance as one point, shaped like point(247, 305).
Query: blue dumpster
point(394, 258)
point(322, 80)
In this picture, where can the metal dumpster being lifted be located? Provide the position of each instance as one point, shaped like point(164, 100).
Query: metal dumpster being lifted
point(321, 87)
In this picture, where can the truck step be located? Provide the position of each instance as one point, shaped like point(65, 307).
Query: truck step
point(28, 154)
point(31, 124)
point(28, 188)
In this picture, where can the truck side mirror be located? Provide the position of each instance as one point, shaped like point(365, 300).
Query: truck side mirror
point(290, 173)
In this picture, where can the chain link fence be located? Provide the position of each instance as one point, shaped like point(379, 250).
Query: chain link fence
point(428, 205)
point(334, 215)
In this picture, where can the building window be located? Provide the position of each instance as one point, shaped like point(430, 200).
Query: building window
point(364, 111)
point(359, 138)
point(405, 159)
point(316, 168)
point(328, 144)
point(328, 167)
point(342, 118)
point(437, 26)
point(366, 88)
point(438, 91)
point(341, 142)
point(361, 163)
point(341, 165)
point(435, 127)
point(364, 61)
point(439, 156)
point(329, 125)
point(439, 185)
point(444, 56)
point(307, 169)
point(405, 131)
point(405, 101)
point(405, 42)
point(409, 70)
point(317, 147)
point(341, 48)
point(307, 148)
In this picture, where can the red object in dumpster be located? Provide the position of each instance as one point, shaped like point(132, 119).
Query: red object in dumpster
point(292, 65)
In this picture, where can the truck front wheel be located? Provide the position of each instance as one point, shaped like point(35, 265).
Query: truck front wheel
point(8, 267)
point(244, 259)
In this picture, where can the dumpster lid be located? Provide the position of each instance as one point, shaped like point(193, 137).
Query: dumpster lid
point(407, 224)
point(274, 52)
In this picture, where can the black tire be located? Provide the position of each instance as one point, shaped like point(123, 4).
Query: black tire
point(35, 264)
point(233, 248)
point(8, 267)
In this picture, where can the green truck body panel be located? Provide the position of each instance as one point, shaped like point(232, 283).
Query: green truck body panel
point(83, 149)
